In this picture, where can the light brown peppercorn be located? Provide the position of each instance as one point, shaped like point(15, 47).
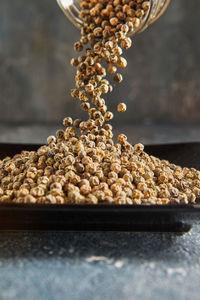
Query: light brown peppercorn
point(79, 85)
point(77, 123)
point(108, 116)
point(67, 122)
point(78, 46)
point(74, 62)
point(136, 22)
point(85, 106)
point(118, 77)
point(75, 93)
point(83, 96)
point(104, 88)
point(146, 5)
point(89, 88)
point(121, 62)
point(85, 189)
point(114, 21)
point(30, 199)
point(126, 43)
point(138, 148)
point(51, 139)
point(122, 138)
point(124, 28)
point(121, 107)
point(98, 32)
point(111, 69)
point(84, 40)
point(59, 134)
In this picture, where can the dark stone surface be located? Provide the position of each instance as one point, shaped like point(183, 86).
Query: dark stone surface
point(101, 265)
point(161, 81)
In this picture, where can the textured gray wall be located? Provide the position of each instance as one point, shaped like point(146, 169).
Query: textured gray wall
point(36, 44)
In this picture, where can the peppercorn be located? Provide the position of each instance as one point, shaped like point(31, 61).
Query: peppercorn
point(75, 93)
point(104, 88)
point(121, 107)
point(85, 106)
point(121, 62)
point(51, 139)
point(77, 123)
point(84, 40)
point(118, 77)
point(74, 62)
point(111, 69)
point(67, 122)
point(108, 116)
point(114, 21)
point(78, 46)
point(136, 22)
point(126, 43)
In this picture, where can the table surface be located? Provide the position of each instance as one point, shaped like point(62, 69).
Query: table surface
point(99, 265)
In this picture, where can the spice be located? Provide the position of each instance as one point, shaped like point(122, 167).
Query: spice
point(121, 107)
point(83, 164)
point(118, 77)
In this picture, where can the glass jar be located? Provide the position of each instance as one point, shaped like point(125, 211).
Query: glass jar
point(157, 8)
point(71, 9)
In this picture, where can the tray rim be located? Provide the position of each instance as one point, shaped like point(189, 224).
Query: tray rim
point(188, 208)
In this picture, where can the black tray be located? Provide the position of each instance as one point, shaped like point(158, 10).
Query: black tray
point(105, 217)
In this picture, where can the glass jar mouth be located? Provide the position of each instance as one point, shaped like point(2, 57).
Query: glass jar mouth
point(71, 9)
point(157, 9)
point(160, 10)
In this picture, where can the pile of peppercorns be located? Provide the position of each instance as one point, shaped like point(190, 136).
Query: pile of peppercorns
point(93, 169)
point(83, 164)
